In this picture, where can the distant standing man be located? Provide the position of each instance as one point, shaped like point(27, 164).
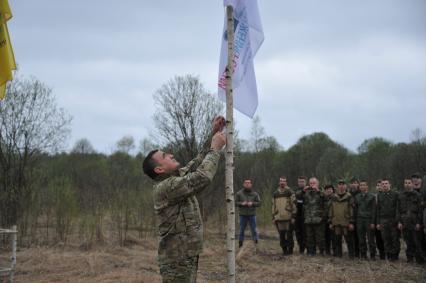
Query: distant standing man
point(365, 204)
point(284, 214)
point(328, 233)
point(386, 220)
point(247, 200)
point(299, 226)
point(176, 207)
point(341, 218)
point(409, 216)
point(354, 190)
point(420, 187)
point(379, 241)
point(314, 209)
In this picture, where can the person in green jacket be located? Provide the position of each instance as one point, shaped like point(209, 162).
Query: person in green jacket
point(247, 200)
point(386, 220)
point(314, 212)
point(284, 214)
point(365, 209)
point(178, 217)
point(329, 237)
point(341, 218)
point(409, 216)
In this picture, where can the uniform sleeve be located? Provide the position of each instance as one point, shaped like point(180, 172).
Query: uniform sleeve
point(351, 210)
point(238, 200)
point(378, 209)
point(373, 211)
point(256, 202)
point(398, 210)
point(273, 208)
point(294, 207)
point(194, 182)
point(330, 212)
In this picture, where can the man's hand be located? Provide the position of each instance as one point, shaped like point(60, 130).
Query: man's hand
point(218, 141)
point(417, 227)
point(218, 124)
point(351, 227)
point(249, 204)
point(293, 221)
point(372, 226)
point(379, 227)
point(330, 226)
point(244, 203)
point(400, 226)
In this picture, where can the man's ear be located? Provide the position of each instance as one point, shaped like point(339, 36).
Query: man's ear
point(159, 170)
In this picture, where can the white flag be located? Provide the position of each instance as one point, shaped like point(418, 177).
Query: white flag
point(248, 38)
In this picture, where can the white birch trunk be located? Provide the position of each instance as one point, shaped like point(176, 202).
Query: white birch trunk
point(229, 155)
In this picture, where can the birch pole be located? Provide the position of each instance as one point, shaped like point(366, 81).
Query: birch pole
point(229, 155)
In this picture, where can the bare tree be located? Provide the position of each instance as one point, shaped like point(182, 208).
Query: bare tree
point(184, 112)
point(83, 146)
point(126, 144)
point(31, 123)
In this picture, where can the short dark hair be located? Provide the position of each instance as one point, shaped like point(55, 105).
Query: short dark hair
point(149, 164)
point(363, 181)
point(354, 180)
point(302, 177)
point(328, 187)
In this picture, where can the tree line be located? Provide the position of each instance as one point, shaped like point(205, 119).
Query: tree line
point(90, 197)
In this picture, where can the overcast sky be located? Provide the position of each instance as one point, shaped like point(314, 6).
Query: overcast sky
point(352, 69)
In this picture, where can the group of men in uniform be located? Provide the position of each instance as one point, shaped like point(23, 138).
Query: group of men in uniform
point(367, 221)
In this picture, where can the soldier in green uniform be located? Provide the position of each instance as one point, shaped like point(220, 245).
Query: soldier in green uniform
point(283, 215)
point(409, 216)
point(247, 200)
point(299, 226)
point(176, 207)
point(419, 185)
point(314, 209)
point(354, 190)
point(379, 241)
point(341, 219)
point(365, 209)
point(386, 220)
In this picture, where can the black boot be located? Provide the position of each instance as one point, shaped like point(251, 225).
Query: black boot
point(240, 244)
point(372, 256)
point(382, 256)
point(363, 256)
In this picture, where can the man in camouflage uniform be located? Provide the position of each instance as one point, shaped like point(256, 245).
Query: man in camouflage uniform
point(409, 216)
point(341, 219)
point(365, 208)
point(354, 191)
point(379, 241)
point(386, 220)
point(247, 200)
point(176, 207)
point(328, 233)
point(314, 209)
point(283, 215)
point(299, 225)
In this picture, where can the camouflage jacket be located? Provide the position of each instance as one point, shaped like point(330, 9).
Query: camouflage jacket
point(283, 205)
point(341, 210)
point(176, 207)
point(365, 207)
point(386, 206)
point(409, 210)
point(247, 195)
point(314, 206)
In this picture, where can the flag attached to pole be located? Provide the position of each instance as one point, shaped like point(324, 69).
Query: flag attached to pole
point(7, 60)
point(248, 38)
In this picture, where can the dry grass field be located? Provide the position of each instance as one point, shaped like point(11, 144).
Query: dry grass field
point(136, 263)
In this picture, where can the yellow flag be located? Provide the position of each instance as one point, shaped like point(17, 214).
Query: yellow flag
point(7, 59)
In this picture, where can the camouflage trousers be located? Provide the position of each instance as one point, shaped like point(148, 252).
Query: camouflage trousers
point(315, 237)
point(184, 271)
point(390, 237)
point(365, 233)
